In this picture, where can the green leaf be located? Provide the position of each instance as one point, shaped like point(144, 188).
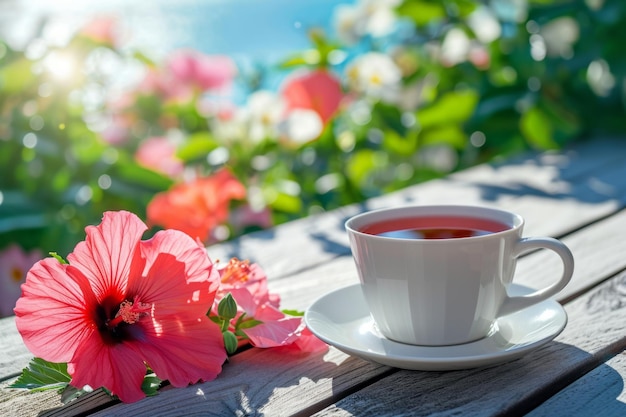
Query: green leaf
point(248, 324)
point(364, 164)
point(451, 135)
point(360, 165)
point(422, 12)
point(453, 107)
point(133, 174)
point(537, 129)
point(296, 313)
point(401, 144)
point(230, 342)
point(293, 61)
point(58, 257)
point(281, 201)
point(197, 146)
point(427, 12)
point(227, 308)
point(42, 375)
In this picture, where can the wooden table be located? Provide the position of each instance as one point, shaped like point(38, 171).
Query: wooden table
point(577, 195)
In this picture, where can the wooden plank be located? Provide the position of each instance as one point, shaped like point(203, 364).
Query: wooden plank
point(571, 164)
point(20, 403)
point(516, 387)
point(271, 382)
point(601, 392)
point(13, 353)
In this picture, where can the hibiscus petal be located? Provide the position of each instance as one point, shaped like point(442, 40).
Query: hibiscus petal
point(166, 289)
point(119, 368)
point(268, 312)
point(308, 342)
point(179, 281)
point(183, 351)
point(274, 333)
point(106, 255)
point(54, 303)
point(185, 249)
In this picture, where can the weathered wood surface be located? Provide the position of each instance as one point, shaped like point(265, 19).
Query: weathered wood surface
point(599, 393)
point(576, 195)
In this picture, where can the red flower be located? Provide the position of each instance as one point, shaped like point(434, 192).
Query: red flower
point(122, 303)
point(317, 90)
point(248, 286)
point(197, 207)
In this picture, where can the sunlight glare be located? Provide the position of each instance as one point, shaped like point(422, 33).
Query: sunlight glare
point(61, 66)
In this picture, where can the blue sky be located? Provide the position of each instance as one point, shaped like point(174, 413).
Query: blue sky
point(258, 29)
point(255, 27)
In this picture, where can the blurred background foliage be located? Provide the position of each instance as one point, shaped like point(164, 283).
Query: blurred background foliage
point(399, 93)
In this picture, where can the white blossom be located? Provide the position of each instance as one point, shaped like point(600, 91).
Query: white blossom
point(302, 126)
point(375, 75)
point(257, 120)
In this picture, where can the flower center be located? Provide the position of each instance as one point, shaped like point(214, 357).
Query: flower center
point(376, 79)
point(130, 312)
point(16, 274)
point(236, 271)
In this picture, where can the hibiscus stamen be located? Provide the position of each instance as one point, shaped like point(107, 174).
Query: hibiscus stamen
point(130, 312)
point(236, 271)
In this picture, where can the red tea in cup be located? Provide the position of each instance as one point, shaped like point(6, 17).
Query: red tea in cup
point(434, 227)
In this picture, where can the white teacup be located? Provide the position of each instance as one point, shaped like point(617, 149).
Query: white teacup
point(444, 290)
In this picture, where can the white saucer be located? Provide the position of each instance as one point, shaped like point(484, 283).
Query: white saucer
point(341, 318)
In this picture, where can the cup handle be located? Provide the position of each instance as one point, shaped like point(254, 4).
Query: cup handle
point(525, 245)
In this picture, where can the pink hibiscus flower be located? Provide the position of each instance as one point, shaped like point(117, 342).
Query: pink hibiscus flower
point(187, 73)
point(201, 71)
point(318, 90)
point(248, 286)
point(123, 303)
point(196, 207)
point(14, 264)
point(159, 154)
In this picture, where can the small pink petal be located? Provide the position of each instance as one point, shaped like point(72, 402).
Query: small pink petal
point(273, 333)
point(308, 342)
